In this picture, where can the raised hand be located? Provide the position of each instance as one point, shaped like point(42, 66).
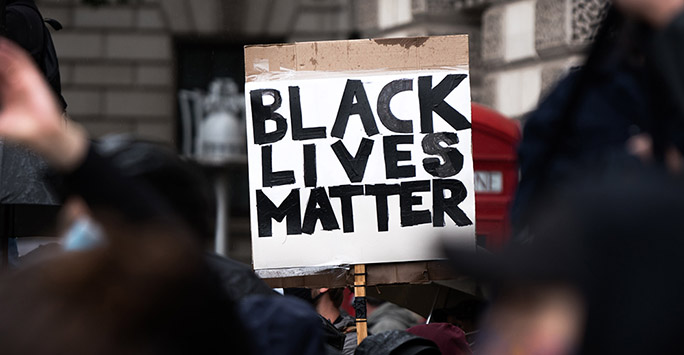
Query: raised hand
point(29, 113)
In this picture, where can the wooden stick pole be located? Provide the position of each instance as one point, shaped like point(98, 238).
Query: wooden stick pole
point(360, 302)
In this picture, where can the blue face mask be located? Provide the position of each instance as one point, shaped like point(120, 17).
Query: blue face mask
point(84, 234)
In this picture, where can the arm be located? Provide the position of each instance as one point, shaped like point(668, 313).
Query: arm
point(30, 116)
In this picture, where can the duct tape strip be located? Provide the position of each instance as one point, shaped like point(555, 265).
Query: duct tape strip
point(359, 305)
point(289, 74)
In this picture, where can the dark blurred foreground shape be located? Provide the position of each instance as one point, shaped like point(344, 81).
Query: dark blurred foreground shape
point(189, 195)
point(274, 324)
point(602, 271)
point(147, 292)
point(616, 240)
point(145, 286)
point(339, 327)
point(27, 205)
point(146, 289)
point(286, 325)
point(25, 25)
point(584, 123)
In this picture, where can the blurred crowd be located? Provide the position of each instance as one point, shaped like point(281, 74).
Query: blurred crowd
point(593, 266)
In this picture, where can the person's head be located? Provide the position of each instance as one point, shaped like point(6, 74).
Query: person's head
point(180, 183)
point(146, 292)
point(335, 295)
point(326, 301)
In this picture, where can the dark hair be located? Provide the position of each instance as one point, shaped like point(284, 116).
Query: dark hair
point(182, 184)
point(336, 296)
point(147, 292)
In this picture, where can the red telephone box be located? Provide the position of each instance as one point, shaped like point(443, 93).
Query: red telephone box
point(495, 138)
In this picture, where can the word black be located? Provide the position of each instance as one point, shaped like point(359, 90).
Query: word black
point(354, 101)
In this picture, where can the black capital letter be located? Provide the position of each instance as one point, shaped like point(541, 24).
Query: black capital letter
point(381, 191)
point(407, 200)
point(313, 213)
point(261, 113)
point(433, 100)
point(354, 89)
point(453, 159)
point(354, 166)
point(310, 173)
point(266, 211)
point(269, 177)
point(449, 205)
point(386, 116)
point(345, 194)
point(298, 132)
point(394, 156)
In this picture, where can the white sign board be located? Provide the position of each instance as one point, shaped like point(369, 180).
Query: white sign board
point(354, 168)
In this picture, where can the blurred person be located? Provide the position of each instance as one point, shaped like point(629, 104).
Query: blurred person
point(189, 194)
point(602, 274)
point(22, 172)
point(279, 325)
point(588, 280)
point(584, 122)
point(183, 188)
point(186, 193)
point(146, 290)
point(284, 325)
point(625, 100)
point(384, 316)
point(327, 302)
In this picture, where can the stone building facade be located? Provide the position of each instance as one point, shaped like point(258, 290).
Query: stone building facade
point(120, 61)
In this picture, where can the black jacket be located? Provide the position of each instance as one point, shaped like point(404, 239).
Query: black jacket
point(25, 26)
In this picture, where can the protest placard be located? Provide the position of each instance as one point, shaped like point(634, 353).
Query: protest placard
point(359, 151)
